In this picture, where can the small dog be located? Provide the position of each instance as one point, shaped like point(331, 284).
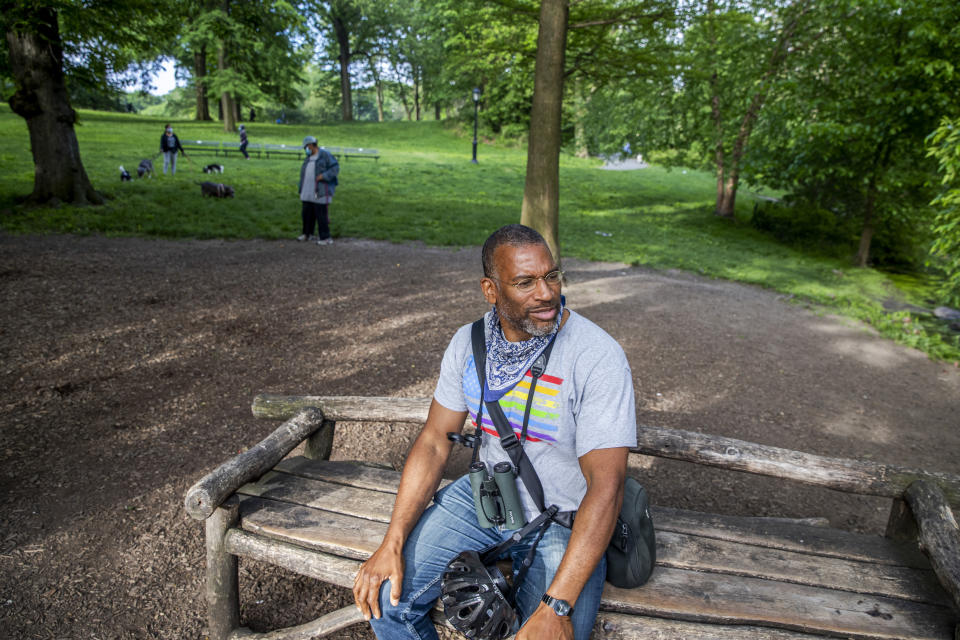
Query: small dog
point(124, 174)
point(145, 168)
point(213, 168)
point(216, 190)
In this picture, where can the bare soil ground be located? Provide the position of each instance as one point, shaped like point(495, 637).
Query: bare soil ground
point(127, 367)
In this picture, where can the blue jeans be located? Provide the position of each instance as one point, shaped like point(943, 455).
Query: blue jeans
point(450, 526)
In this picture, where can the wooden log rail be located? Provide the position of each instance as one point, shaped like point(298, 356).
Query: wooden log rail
point(215, 487)
point(939, 534)
point(861, 477)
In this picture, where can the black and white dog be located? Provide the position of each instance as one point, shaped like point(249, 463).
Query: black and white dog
point(145, 168)
point(213, 168)
point(124, 174)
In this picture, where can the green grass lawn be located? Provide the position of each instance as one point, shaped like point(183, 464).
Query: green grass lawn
point(424, 187)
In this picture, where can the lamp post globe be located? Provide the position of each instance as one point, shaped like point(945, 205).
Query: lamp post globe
point(476, 106)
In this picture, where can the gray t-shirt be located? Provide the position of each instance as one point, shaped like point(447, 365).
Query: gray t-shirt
point(583, 401)
point(311, 190)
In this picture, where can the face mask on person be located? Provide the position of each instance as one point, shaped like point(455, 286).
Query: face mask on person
point(169, 131)
point(306, 150)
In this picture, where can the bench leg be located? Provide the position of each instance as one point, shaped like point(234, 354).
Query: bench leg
point(901, 526)
point(319, 445)
point(223, 595)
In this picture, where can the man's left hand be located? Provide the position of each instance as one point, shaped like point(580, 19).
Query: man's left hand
point(545, 624)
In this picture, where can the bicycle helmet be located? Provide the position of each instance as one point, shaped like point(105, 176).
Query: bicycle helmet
point(474, 599)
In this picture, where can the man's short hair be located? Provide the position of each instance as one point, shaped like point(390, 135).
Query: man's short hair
point(515, 235)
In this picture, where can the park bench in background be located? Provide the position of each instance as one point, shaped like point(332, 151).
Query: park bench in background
point(351, 152)
point(297, 152)
point(283, 150)
point(201, 146)
point(718, 577)
point(234, 147)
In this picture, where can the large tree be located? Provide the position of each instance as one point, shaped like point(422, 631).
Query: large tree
point(849, 136)
point(541, 192)
point(354, 27)
point(599, 27)
point(38, 37)
point(241, 53)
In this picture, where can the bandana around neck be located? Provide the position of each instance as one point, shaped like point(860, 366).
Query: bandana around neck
point(507, 362)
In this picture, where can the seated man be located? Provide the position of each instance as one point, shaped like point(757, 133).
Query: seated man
point(581, 426)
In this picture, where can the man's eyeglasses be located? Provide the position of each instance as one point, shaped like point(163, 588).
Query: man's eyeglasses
point(526, 285)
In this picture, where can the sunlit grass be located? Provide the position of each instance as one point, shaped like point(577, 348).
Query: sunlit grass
point(425, 188)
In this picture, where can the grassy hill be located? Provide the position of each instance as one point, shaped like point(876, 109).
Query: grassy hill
point(424, 187)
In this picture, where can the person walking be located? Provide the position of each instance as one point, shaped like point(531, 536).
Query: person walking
point(169, 146)
point(318, 180)
point(243, 142)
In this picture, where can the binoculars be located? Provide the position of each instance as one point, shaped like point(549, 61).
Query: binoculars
point(495, 497)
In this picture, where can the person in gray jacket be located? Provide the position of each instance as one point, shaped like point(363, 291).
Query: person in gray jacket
point(318, 180)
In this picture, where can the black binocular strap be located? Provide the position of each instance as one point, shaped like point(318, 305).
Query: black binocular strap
point(508, 439)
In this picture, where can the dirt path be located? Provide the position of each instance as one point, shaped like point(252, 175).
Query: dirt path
point(128, 367)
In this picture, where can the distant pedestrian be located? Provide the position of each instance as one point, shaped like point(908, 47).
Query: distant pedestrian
point(318, 179)
point(169, 145)
point(243, 142)
point(253, 114)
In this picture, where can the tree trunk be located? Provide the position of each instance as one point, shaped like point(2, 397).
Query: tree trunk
point(36, 63)
point(416, 93)
point(579, 113)
point(436, 110)
point(866, 235)
point(343, 41)
point(379, 101)
point(541, 193)
point(227, 107)
point(200, 81)
point(227, 111)
point(236, 109)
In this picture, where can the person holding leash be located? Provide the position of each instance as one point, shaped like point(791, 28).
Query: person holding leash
point(566, 389)
point(169, 146)
point(318, 180)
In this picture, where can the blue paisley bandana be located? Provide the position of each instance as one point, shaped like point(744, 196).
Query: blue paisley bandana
point(507, 362)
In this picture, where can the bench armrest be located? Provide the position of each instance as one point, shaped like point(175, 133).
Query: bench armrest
point(939, 533)
point(215, 487)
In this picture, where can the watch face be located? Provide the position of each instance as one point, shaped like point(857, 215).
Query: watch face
point(560, 607)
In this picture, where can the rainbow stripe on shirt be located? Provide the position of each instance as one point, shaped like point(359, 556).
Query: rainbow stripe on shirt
point(544, 414)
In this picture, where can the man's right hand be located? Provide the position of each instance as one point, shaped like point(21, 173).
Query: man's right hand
point(386, 563)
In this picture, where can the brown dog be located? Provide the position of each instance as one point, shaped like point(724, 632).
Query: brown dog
point(216, 190)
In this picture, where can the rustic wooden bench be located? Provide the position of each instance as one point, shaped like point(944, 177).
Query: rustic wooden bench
point(718, 577)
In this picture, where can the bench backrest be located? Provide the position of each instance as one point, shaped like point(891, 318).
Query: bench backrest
point(863, 477)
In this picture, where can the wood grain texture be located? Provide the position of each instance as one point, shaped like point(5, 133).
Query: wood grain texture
point(832, 543)
point(939, 534)
point(211, 490)
point(725, 599)
point(618, 626)
point(851, 476)
point(776, 533)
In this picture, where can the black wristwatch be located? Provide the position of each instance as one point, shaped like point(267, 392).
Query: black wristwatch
point(560, 607)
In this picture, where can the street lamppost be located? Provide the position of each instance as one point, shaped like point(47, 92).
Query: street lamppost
point(476, 106)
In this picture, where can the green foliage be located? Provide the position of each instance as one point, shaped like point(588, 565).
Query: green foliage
point(655, 217)
point(847, 131)
point(802, 224)
point(107, 45)
point(944, 146)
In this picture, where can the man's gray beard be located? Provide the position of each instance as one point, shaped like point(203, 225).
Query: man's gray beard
point(528, 325)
